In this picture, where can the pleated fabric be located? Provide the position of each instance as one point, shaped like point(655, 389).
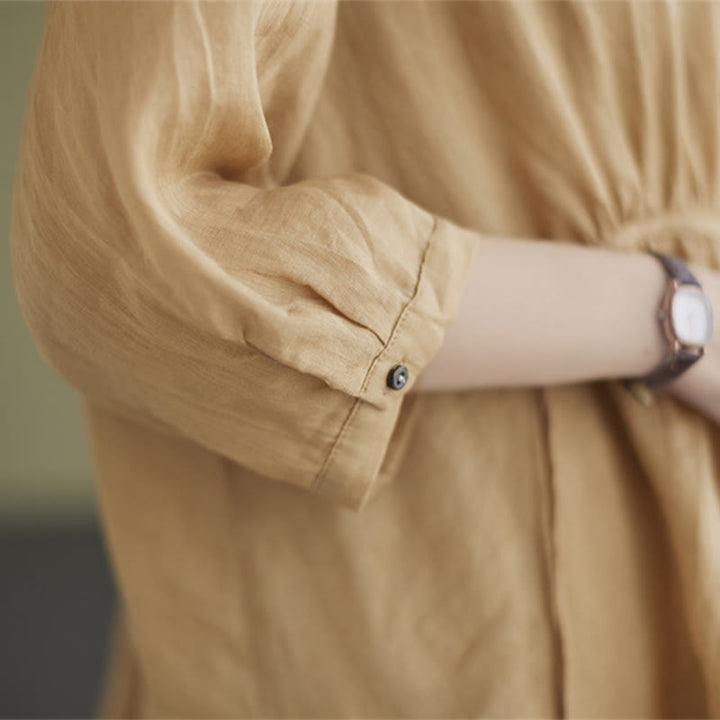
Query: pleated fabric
point(231, 220)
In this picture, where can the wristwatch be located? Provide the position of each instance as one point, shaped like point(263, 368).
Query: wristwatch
point(686, 318)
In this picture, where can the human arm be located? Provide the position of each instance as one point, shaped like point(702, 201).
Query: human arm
point(555, 312)
point(539, 312)
point(166, 271)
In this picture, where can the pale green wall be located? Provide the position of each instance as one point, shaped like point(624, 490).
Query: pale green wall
point(45, 466)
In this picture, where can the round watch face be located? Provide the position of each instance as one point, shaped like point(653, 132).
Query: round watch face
point(691, 314)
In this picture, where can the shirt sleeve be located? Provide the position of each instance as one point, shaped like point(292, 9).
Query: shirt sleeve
point(164, 269)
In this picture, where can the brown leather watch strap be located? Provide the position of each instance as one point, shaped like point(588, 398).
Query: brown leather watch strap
point(671, 367)
point(676, 268)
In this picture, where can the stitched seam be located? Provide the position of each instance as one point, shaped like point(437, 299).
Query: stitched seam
point(549, 514)
point(321, 476)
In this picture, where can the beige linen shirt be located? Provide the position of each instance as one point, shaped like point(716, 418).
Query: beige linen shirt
point(231, 221)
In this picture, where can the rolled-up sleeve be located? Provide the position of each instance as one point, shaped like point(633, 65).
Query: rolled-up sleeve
point(165, 271)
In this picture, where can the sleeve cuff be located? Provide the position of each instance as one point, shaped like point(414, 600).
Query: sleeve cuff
point(369, 445)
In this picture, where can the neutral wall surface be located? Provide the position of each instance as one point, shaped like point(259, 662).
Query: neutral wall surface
point(45, 466)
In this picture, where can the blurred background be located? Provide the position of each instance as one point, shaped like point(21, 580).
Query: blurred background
point(56, 591)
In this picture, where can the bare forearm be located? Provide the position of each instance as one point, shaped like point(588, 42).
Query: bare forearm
point(544, 312)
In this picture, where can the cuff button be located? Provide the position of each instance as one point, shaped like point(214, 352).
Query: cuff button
point(397, 377)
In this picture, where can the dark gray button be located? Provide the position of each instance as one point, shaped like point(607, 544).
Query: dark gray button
point(397, 377)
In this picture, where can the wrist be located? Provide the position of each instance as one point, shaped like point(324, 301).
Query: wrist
point(648, 290)
point(700, 372)
point(685, 355)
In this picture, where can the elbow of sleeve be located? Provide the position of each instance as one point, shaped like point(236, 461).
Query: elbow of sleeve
point(106, 331)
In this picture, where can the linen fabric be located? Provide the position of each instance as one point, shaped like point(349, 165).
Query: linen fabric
point(232, 220)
